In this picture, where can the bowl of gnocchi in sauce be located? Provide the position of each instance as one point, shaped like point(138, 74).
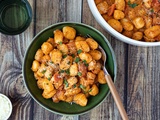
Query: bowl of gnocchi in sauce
point(62, 68)
point(136, 22)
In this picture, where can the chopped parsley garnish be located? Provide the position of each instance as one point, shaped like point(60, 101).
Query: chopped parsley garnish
point(85, 92)
point(74, 86)
point(90, 90)
point(43, 71)
point(132, 5)
point(51, 62)
point(60, 43)
point(77, 60)
point(79, 73)
point(82, 86)
point(61, 71)
point(85, 62)
point(49, 78)
point(64, 56)
point(64, 71)
point(73, 55)
point(152, 10)
point(50, 75)
point(66, 83)
point(61, 51)
point(79, 51)
point(67, 71)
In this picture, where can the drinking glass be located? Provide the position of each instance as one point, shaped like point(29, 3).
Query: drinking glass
point(15, 16)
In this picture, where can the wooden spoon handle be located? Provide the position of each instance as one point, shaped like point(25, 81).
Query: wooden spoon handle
point(116, 97)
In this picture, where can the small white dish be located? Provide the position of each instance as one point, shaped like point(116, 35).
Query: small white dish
point(113, 32)
point(5, 107)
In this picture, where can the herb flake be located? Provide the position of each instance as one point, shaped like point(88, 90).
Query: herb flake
point(60, 43)
point(66, 83)
point(79, 51)
point(85, 63)
point(43, 71)
point(64, 56)
point(79, 73)
point(67, 71)
point(64, 71)
point(74, 86)
point(61, 71)
point(73, 55)
point(82, 86)
point(90, 90)
point(152, 10)
point(132, 5)
point(77, 60)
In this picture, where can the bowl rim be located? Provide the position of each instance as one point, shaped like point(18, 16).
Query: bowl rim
point(78, 23)
point(10, 104)
point(113, 32)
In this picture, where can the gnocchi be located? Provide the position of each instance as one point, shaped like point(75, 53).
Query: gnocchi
point(136, 19)
point(68, 67)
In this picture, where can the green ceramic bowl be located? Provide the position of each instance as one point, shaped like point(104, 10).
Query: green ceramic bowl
point(64, 108)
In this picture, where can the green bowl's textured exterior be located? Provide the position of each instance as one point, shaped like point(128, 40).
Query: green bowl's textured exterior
point(63, 107)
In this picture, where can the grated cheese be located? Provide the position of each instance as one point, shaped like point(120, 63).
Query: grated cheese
point(5, 108)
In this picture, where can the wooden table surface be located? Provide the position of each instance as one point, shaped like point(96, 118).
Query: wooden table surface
point(138, 75)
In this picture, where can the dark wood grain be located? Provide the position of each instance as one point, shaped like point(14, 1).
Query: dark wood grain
point(12, 50)
point(138, 75)
point(143, 83)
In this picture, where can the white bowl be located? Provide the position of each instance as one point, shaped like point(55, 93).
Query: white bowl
point(113, 32)
point(5, 107)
